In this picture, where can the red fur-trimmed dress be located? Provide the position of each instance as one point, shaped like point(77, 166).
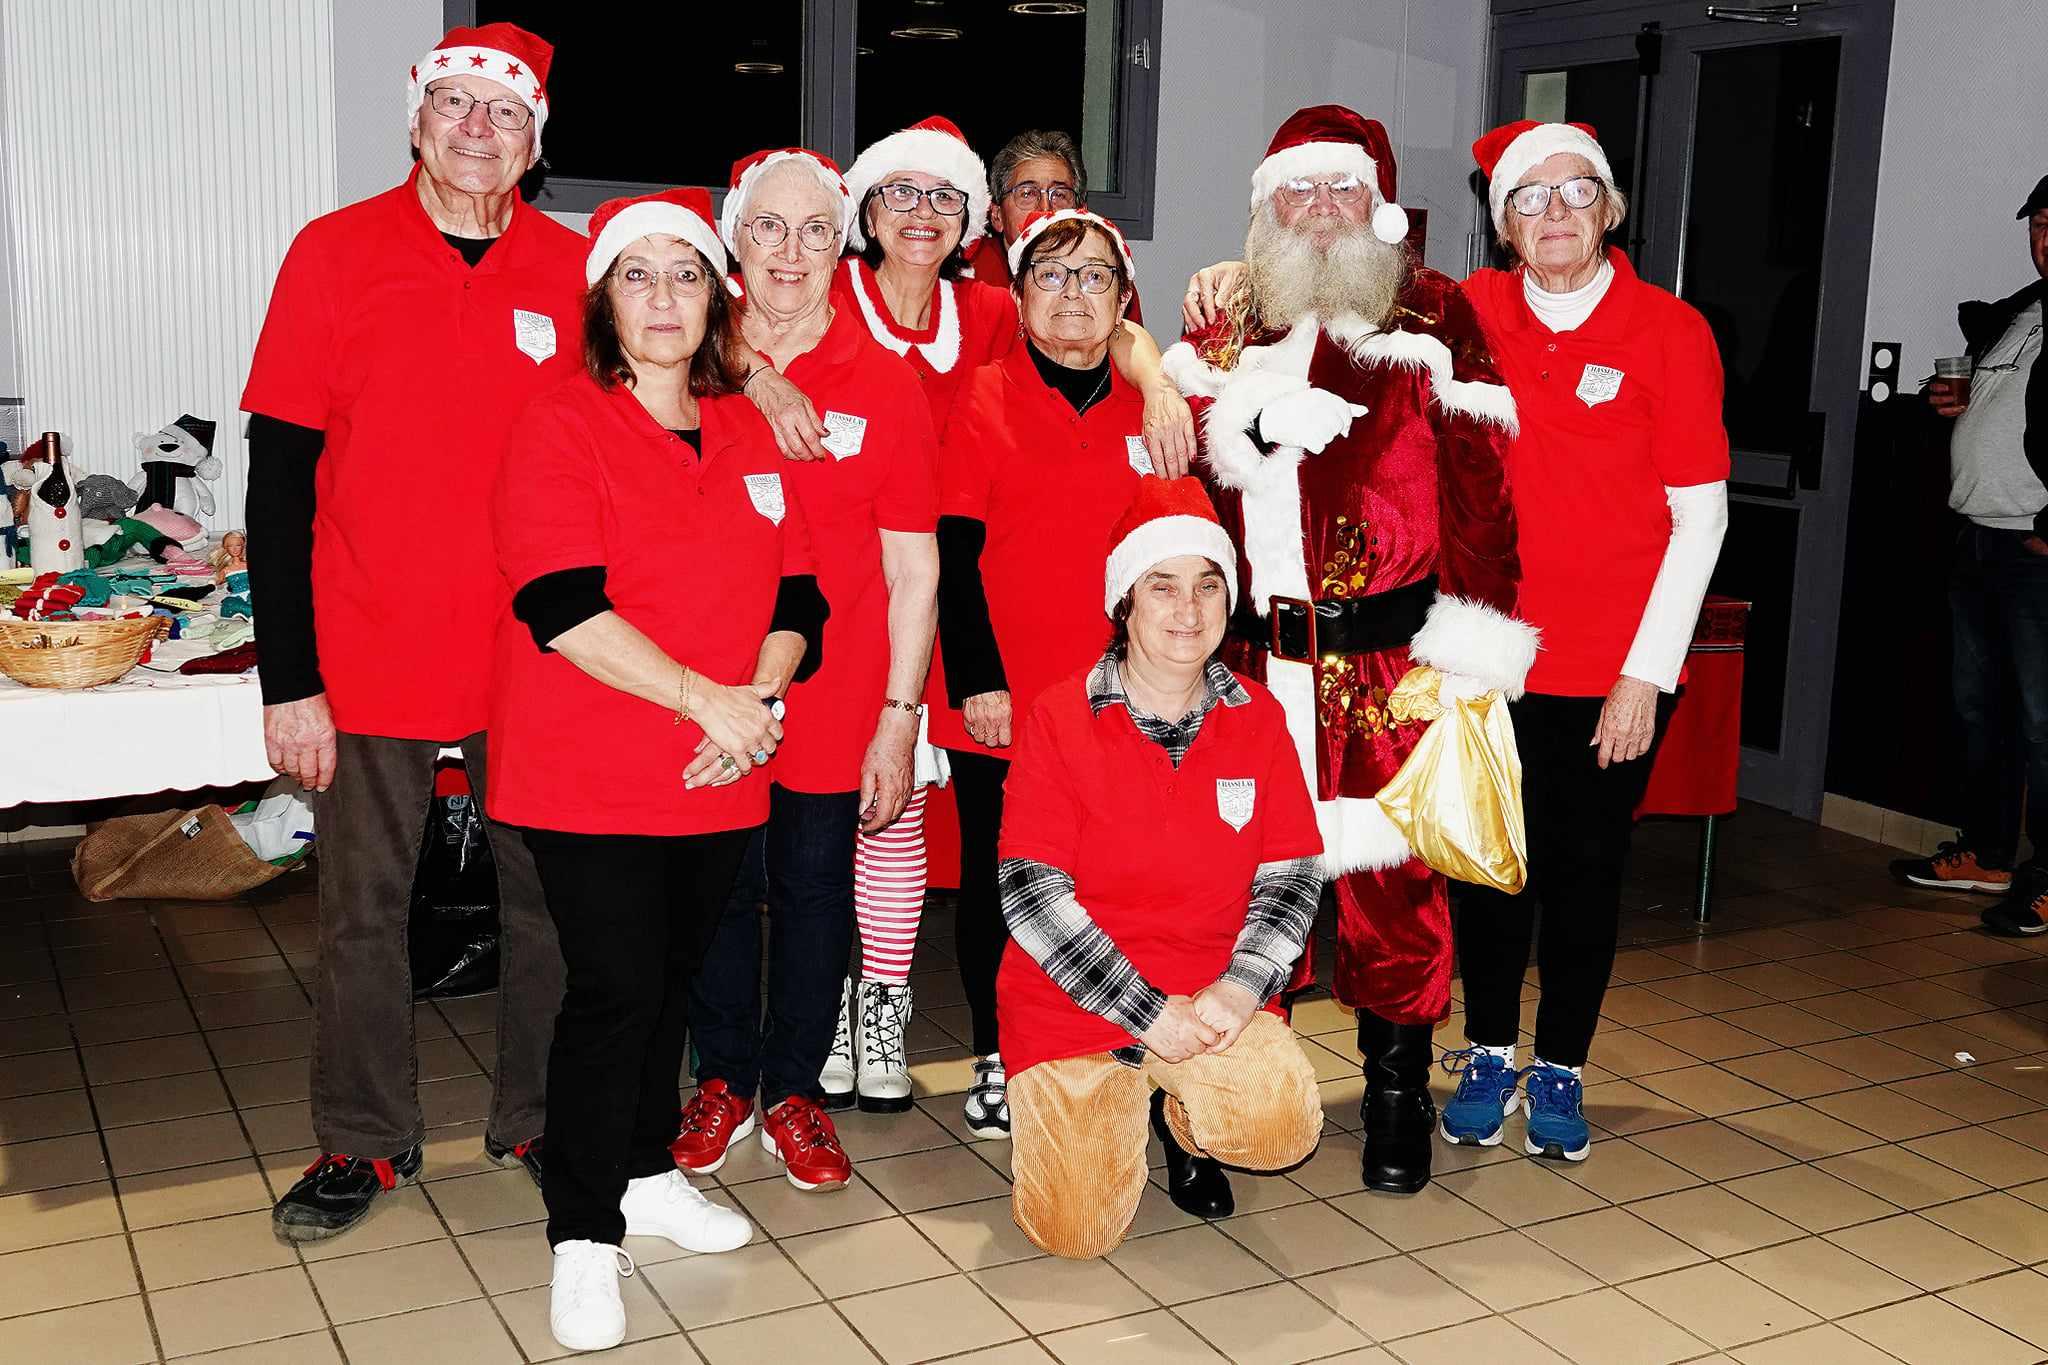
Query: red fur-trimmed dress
point(1418, 487)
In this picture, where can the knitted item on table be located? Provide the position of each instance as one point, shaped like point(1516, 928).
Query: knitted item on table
point(96, 590)
point(174, 524)
point(238, 581)
point(238, 659)
point(129, 533)
point(238, 605)
point(48, 599)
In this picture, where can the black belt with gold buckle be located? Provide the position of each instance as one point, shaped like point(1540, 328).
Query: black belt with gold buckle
point(1300, 631)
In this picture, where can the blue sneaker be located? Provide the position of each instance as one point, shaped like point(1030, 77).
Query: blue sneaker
point(1557, 1128)
point(1486, 1096)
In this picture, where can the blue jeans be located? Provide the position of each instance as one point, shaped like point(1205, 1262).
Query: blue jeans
point(1998, 599)
point(801, 863)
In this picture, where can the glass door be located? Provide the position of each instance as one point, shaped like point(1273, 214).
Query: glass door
point(1751, 154)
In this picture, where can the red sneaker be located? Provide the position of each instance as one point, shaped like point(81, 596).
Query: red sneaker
point(801, 1136)
point(713, 1121)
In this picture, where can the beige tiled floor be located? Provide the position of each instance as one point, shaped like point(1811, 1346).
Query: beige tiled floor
point(1793, 1166)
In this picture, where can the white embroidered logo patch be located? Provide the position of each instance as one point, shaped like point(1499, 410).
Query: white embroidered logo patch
point(1135, 452)
point(844, 434)
point(765, 492)
point(1235, 797)
point(1598, 384)
point(533, 334)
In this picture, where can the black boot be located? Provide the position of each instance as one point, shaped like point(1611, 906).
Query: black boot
point(1399, 1114)
point(1196, 1184)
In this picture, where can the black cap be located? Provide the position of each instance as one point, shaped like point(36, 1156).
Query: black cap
point(2036, 201)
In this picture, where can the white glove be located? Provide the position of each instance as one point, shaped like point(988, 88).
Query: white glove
point(1310, 419)
point(1457, 687)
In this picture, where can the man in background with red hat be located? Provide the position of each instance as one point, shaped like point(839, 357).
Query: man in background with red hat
point(1355, 432)
point(403, 335)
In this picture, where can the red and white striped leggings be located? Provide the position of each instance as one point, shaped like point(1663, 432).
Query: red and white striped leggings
point(888, 893)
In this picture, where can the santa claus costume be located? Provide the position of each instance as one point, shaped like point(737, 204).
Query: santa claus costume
point(1360, 465)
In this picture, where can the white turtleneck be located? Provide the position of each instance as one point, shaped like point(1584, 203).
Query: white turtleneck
point(1563, 312)
point(1699, 519)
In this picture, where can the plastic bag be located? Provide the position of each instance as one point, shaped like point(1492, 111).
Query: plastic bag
point(452, 928)
point(279, 828)
point(1458, 798)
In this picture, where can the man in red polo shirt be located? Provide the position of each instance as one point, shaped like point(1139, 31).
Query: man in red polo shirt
point(404, 334)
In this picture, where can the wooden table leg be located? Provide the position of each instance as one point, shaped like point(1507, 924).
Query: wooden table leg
point(1703, 902)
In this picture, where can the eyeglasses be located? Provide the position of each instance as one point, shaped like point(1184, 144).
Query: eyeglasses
point(1052, 277)
point(1345, 189)
point(816, 235)
point(637, 281)
point(901, 196)
point(454, 103)
point(1579, 192)
point(1028, 195)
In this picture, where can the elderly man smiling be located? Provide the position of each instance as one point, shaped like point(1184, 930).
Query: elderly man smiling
point(403, 335)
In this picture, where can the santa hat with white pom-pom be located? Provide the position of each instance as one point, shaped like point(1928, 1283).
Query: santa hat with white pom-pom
point(1328, 139)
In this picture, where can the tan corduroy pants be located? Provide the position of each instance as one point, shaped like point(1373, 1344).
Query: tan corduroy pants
point(1078, 1129)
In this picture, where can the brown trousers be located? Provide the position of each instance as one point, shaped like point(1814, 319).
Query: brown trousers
point(1078, 1129)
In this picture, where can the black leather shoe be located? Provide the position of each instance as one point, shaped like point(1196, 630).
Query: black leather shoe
point(1195, 1184)
point(336, 1192)
point(1399, 1114)
point(526, 1153)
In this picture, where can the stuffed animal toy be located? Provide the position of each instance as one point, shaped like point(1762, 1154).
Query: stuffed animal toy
point(102, 497)
point(177, 464)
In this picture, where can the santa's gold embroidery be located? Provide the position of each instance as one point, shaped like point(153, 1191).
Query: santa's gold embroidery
point(1348, 569)
point(1345, 705)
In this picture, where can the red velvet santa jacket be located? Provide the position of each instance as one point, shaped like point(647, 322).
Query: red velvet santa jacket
point(1417, 487)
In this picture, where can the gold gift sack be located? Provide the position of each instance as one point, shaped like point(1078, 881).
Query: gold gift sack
point(1458, 798)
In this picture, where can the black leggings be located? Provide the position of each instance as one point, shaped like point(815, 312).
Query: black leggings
point(634, 913)
point(1580, 817)
point(979, 935)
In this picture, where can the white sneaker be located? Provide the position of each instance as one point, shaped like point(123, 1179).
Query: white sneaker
point(836, 1078)
point(884, 1081)
point(988, 1099)
point(584, 1311)
point(668, 1205)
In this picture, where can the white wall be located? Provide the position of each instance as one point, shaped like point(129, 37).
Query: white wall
point(375, 44)
point(1232, 70)
point(1964, 114)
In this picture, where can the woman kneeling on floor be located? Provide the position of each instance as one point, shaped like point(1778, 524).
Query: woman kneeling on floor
point(1160, 871)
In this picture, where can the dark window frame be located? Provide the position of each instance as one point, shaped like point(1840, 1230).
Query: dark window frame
point(827, 122)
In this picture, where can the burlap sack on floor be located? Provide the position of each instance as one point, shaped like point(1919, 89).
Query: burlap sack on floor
point(193, 855)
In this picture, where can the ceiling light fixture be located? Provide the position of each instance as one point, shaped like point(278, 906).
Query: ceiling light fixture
point(759, 68)
point(1049, 7)
point(942, 33)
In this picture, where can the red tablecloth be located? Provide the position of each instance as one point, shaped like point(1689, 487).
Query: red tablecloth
point(1702, 750)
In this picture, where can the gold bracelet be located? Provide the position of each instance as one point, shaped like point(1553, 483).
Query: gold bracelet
point(683, 690)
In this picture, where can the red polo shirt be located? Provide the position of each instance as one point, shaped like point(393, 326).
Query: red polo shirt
point(1162, 858)
point(1612, 412)
point(1048, 484)
point(878, 478)
point(693, 550)
point(967, 325)
point(415, 365)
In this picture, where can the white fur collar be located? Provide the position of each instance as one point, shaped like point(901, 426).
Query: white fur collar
point(942, 352)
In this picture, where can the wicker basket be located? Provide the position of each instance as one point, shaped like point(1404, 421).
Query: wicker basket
point(74, 653)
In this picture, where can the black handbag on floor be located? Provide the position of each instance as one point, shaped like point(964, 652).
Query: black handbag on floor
point(452, 929)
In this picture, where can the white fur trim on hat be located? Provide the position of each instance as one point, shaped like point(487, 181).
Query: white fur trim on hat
point(499, 67)
point(1040, 225)
point(734, 208)
point(1160, 539)
point(1533, 147)
point(632, 223)
point(930, 151)
point(1330, 158)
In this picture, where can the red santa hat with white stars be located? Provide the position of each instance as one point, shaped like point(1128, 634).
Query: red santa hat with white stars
point(505, 53)
point(1508, 152)
point(1036, 225)
point(1328, 139)
point(681, 213)
point(1166, 519)
point(935, 146)
point(746, 177)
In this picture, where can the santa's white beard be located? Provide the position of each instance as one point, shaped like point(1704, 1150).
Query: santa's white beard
point(1291, 276)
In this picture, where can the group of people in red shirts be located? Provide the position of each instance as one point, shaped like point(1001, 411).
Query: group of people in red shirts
point(749, 528)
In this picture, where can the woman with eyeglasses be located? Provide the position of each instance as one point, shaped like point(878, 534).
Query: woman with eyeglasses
point(1043, 454)
point(850, 731)
point(919, 203)
point(627, 717)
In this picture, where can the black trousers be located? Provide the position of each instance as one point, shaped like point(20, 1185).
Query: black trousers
point(633, 913)
point(365, 1067)
point(979, 934)
point(1580, 818)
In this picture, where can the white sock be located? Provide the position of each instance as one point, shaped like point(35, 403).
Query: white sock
point(1573, 1069)
point(1506, 1054)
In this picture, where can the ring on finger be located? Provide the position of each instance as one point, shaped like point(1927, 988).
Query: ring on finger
point(760, 756)
point(727, 762)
